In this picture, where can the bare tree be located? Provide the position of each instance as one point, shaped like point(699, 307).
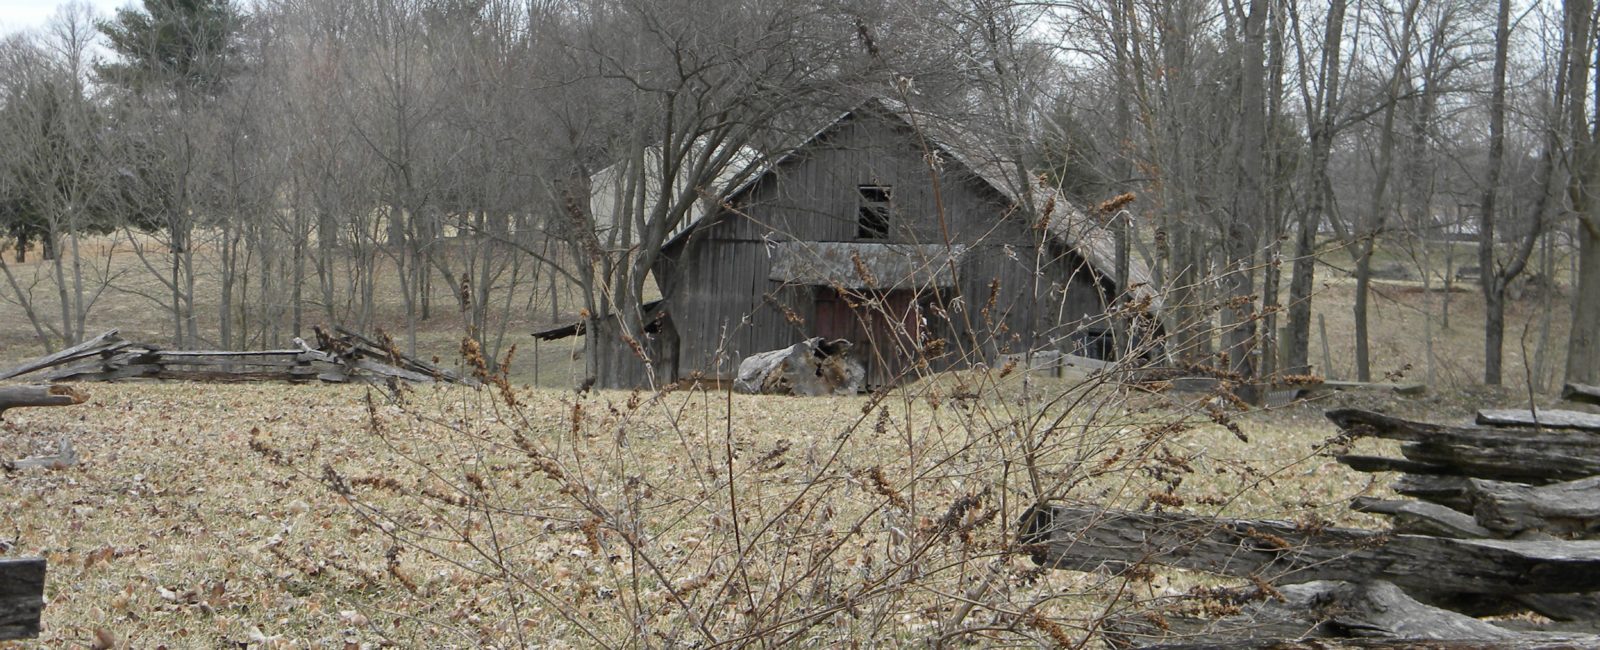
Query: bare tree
point(57, 165)
point(173, 60)
point(693, 87)
point(1583, 346)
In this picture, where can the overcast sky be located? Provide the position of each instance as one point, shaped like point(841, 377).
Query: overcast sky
point(30, 14)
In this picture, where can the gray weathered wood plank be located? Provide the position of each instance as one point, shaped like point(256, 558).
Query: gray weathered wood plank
point(1373, 464)
point(1083, 539)
point(39, 395)
point(1423, 518)
point(1581, 393)
point(1398, 389)
point(1564, 509)
point(1553, 418)
point(1335, 615)
point(1454, 492)
point(21, 597)
point(1508, 454)
point(87, 348)
point(385, 370)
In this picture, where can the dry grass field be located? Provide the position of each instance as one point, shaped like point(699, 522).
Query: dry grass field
point(288, 516)
point(205, 516)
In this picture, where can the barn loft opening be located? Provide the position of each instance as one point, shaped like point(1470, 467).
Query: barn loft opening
point(872, 220)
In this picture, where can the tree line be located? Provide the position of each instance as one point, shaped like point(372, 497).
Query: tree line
point(317, 151)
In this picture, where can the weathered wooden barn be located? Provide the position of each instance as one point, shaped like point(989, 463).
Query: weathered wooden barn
point(877, 232)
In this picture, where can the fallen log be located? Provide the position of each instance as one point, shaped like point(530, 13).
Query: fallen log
point(21, 597)
point(1508, 454)
point(1331, 614)
point(1581, 393)
point(1084, 539)
point(39, 395)
point(1423, 518)
point(1553, 418)
point(82, 350)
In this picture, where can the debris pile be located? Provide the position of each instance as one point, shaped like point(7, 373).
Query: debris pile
point(809, 368)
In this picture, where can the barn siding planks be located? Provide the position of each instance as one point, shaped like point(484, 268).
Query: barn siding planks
point(719, 275)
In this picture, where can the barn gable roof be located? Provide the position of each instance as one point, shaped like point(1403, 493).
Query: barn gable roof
point(1093, 239)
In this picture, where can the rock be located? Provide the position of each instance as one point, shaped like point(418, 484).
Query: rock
point(809, 368)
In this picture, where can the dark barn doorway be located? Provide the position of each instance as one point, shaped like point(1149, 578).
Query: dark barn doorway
point(884, 326)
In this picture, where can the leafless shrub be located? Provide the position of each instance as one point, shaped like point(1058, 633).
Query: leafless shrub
point(673, 516)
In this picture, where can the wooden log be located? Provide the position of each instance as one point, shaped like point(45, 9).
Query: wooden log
point(208, 362)
point(1423, 518)
point(114, 360)
point(378, 349)
point(21, 597)
point(1507, 454)
point(1581, 393)
point(1552, 418)
point(111, 373)
point(1398, 389)
point(85, 349)
point(221, 376)
point(1454, 492)
point(1548, 643)
point(227, 355)
point(1083, 539)
point(1584, 608)
point(1570, 509)
point(385, 370)
point(39, 395)
point(1372, 464)
point(1328, 614)
point(257, 358)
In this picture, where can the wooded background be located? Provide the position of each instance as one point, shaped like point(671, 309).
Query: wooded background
point(278, 163)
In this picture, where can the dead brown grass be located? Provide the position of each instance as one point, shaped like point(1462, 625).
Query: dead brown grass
point(202, 516)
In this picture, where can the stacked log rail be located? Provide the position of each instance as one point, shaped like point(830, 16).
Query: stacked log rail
point(1503, 517)
point(338, 358)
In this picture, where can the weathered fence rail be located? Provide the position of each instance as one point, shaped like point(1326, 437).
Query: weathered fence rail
point(340, 356)
point(21, 597)
point(1502, 518)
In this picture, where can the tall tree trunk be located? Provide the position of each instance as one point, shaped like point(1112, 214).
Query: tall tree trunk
point(1490, 278)
point(62, 295)
point(230, 254)
point(1583, 345)
point(1239, 314)
point(1302, 276)
point(1372, 221)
